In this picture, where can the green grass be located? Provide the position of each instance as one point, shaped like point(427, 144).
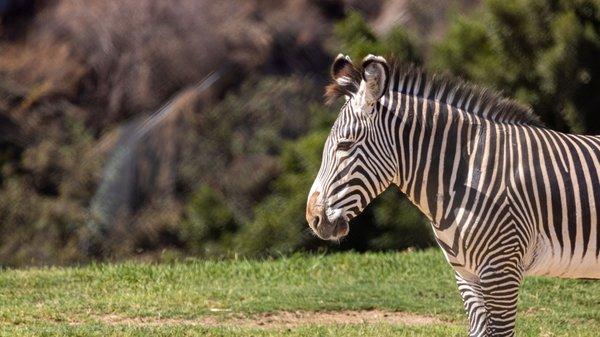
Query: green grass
point(74, 301)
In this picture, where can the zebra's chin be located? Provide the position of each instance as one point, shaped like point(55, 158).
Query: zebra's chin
point(334, 231)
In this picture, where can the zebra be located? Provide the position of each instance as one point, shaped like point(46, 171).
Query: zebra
point(506, 196)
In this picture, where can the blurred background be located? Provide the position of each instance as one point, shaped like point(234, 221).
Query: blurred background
point(160, 129)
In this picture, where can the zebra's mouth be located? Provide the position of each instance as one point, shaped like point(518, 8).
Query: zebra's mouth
point(341, 229)
point(335, 230)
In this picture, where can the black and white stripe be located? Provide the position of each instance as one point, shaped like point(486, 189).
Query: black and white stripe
point(506, 197)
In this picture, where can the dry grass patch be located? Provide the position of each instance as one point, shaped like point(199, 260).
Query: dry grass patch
point(280, 319)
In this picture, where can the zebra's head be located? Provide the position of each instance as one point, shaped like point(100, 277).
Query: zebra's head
point(357, 163)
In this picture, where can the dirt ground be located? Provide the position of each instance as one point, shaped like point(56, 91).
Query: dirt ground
point(282, 319)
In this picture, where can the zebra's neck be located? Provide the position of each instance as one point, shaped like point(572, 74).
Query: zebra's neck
point(436, 120)
point(433, 141)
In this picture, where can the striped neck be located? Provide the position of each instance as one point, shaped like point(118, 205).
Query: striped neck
point(432, 143)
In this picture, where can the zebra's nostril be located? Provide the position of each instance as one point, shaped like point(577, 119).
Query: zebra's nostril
point(316, 221)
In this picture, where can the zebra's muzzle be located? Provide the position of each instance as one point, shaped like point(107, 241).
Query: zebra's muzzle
point(328, 230)
point(340, 230)
point(321, 224)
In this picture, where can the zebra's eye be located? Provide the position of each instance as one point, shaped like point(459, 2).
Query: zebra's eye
point(344, 145)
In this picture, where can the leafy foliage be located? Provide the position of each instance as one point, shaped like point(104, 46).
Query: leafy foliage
point(544, 53)
point(356, 38)
point(208, 223)
point(279, 224)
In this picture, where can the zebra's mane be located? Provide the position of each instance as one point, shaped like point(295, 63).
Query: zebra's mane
point(446, 89)
point(456, 92)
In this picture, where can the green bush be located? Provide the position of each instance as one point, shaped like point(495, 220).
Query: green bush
point(544, 53)
point(279, 225)
point(353, 36)
point(208, 224)
point(41, 196)
point(399, 223)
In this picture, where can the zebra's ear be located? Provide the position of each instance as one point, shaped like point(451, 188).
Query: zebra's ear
point(340, 68)
point(346, 78)
point(375, 74)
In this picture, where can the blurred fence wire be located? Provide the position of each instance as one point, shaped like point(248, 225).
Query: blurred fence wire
point(116, 191)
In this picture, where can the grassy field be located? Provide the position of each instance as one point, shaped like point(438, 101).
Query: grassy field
point(133, 299)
